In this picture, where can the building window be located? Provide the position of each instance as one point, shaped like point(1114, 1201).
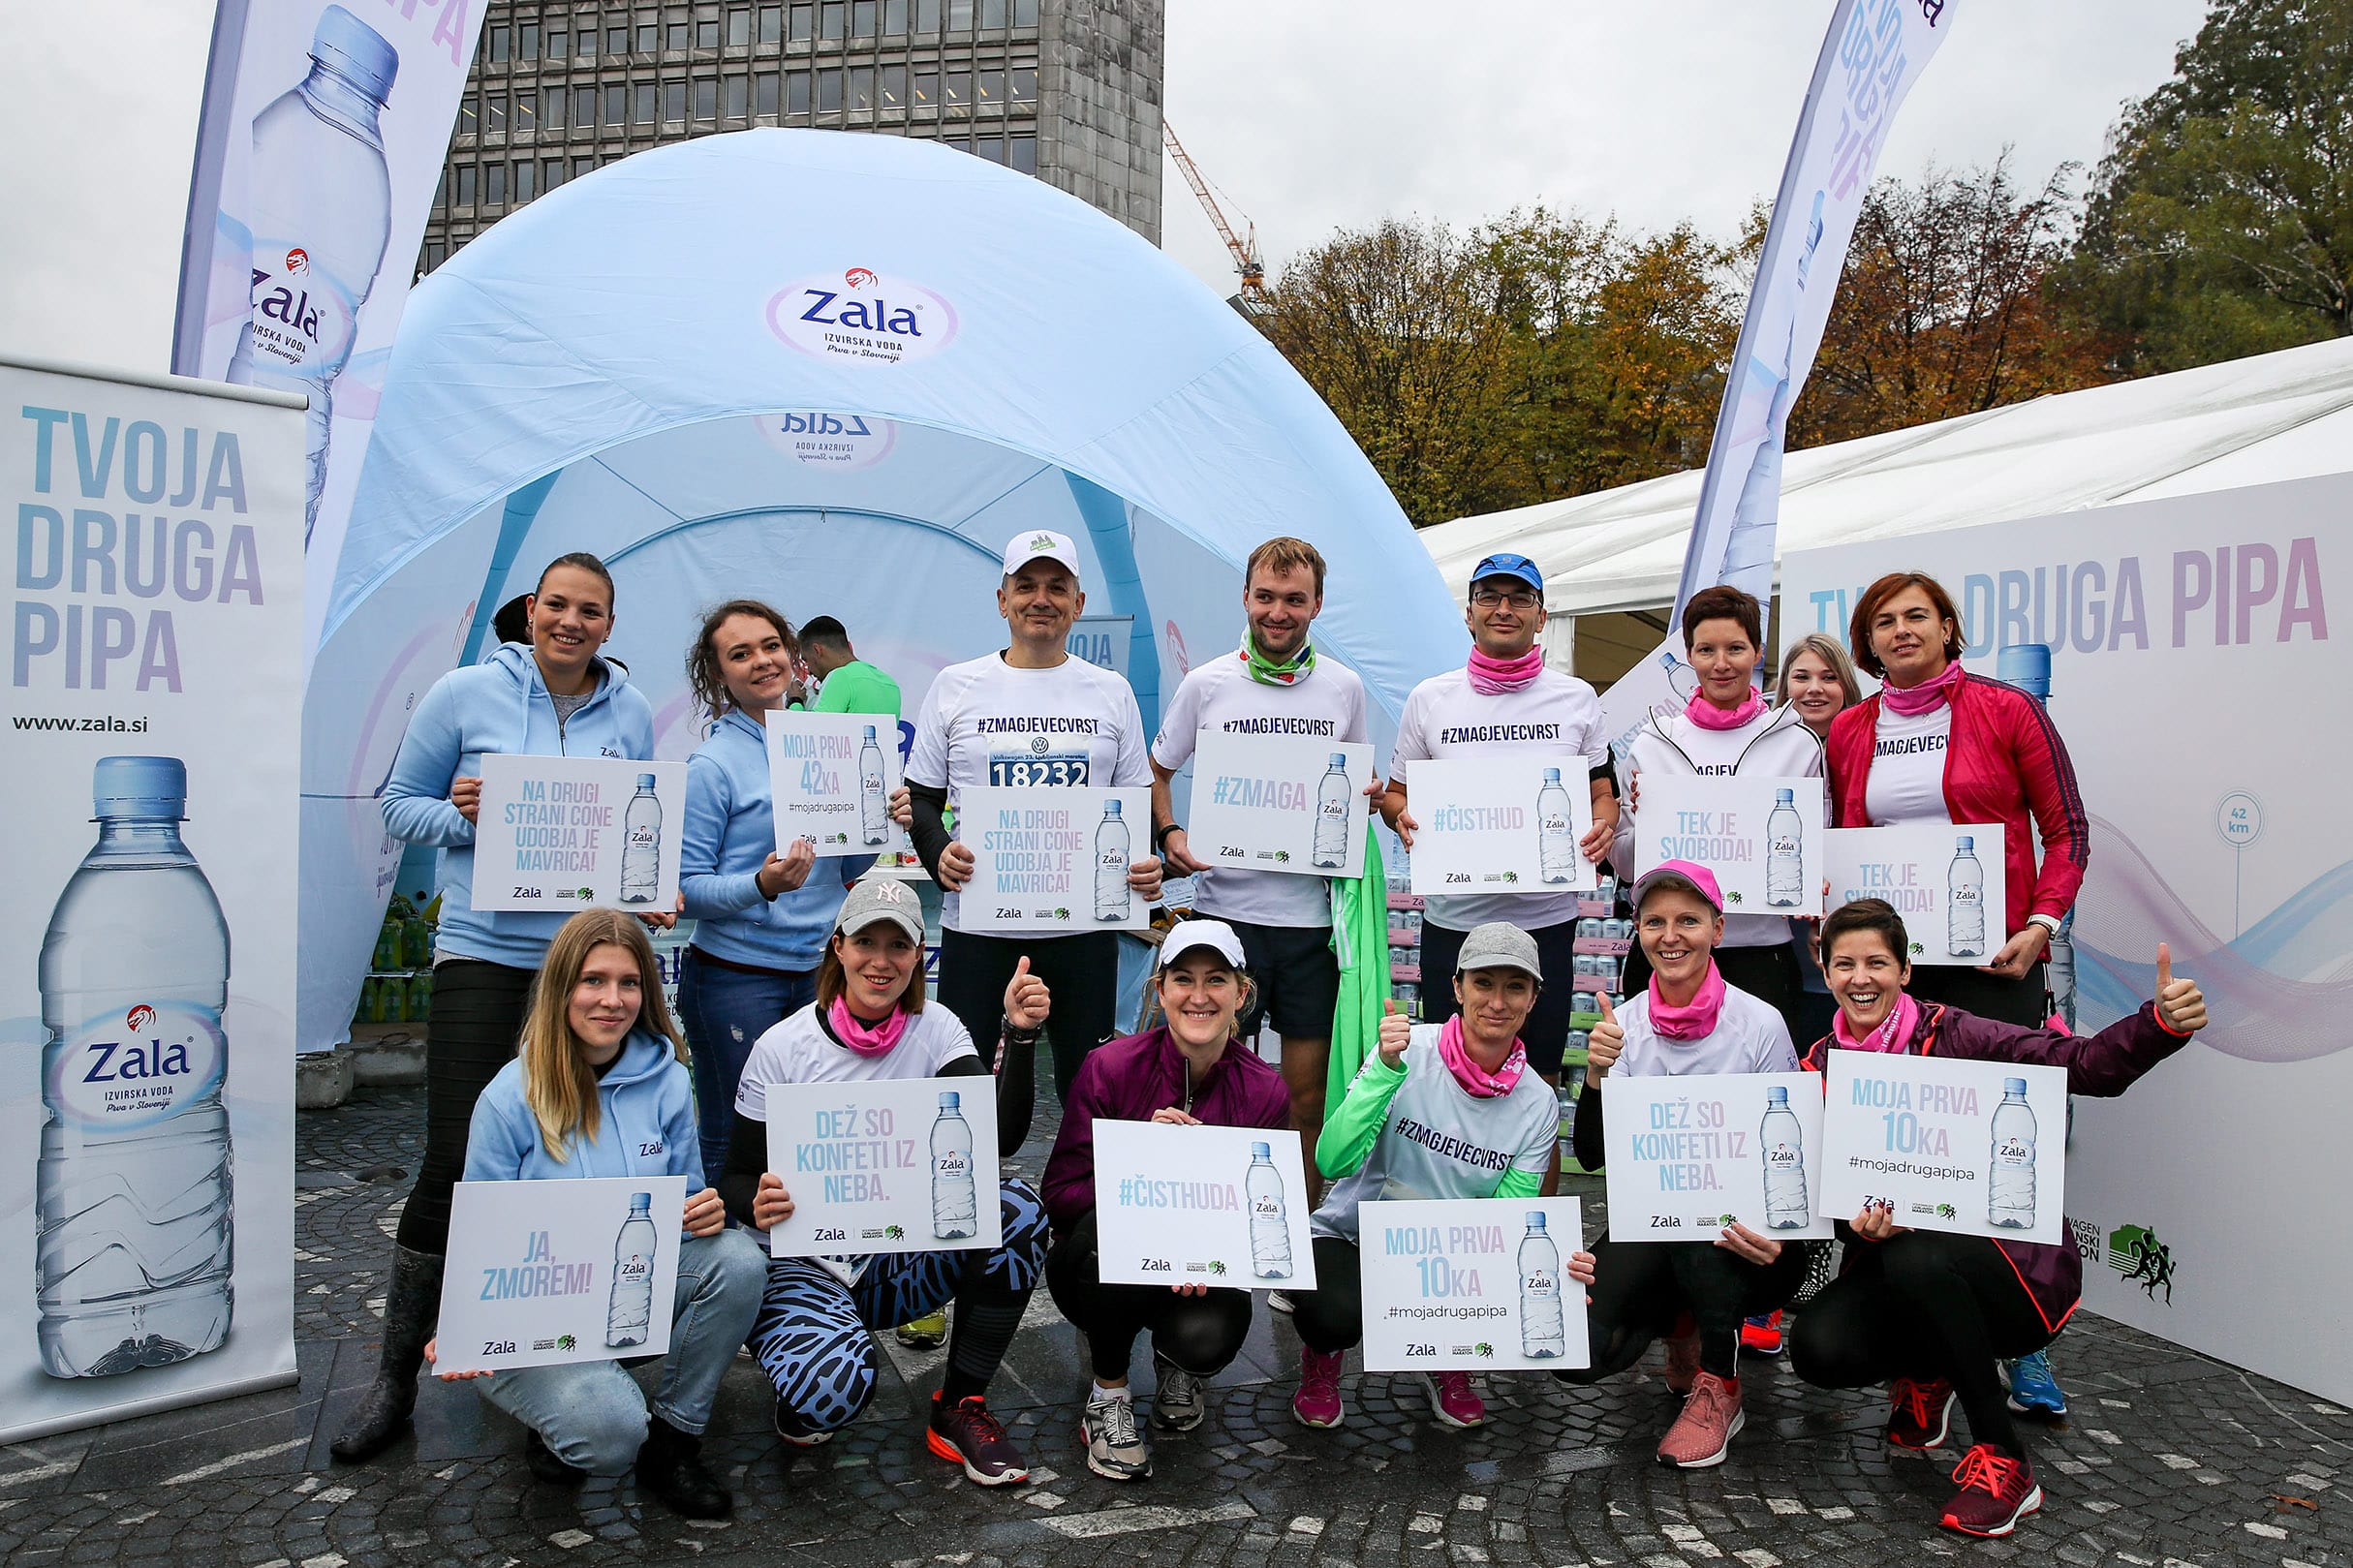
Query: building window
point(465, 186)
point(992, 15)
point(495, 46)
point(1024, 154)
point(559, 43)
point(616, 104)
point(765, 97)
point(706, 100)
point(895, 16)
point(926, 98)
point(1024, 15)
point(988, 89)
point(616, 40)
point(739, 26)
point(864, 18)
point(435, 255)
point(525, 174)
point(527, 40)
point(706, 32)
point(861, 88)
point(584, 34)
point(469, 116)
point(890, 93)
point(829, 21)
point(829, 91)
point(678, 37)
point(797, 93)
point(551, 174)
point(738, 100)
point(804, 21)
point(673, 101)
point(927, 16)
point(495, 114)
point(643, 107)
point(583, 108)
point(957, 100)
point(583, 166)
point(526, 113)
point(649, 38)
point(1021, 85)
point(771, 24)
point(959, 15)
point(494, 185)
point(441, 192)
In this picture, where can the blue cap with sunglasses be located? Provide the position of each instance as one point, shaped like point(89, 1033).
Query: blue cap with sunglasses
point(1517, 566)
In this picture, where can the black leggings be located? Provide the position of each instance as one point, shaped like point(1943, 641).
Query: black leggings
point(469, 1034)
point(1081, 973)
point(1771, 974)
point(1642, 1289)
point(1925, 1306)
point(1330, 1318)
point(1200, 1334)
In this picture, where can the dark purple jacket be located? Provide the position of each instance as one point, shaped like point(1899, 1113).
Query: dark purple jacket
point(2104, 1064)
point(1127, 1080)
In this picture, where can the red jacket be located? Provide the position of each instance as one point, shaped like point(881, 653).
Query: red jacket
point(2005, 761)
point(1127, 1080)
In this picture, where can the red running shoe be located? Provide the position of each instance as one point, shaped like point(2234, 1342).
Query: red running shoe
point(966, 1433)
point(1920, 1415)
point(1762, 1335)
point(1996, 1493)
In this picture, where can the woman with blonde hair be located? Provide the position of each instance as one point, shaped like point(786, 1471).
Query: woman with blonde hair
point(1819, 681)
point(600, 1088)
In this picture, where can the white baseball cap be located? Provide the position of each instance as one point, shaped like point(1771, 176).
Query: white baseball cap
point(1215, 934)
point(1041, 545)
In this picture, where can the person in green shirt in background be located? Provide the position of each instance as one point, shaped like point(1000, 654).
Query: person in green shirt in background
point(848, 683)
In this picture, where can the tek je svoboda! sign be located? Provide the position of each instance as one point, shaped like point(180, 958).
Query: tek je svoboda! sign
point(1201, 1205)
point(830, 780)
point(1279, 802)
point(1691, 1155)
point(1761, 836)
point(1948, 883)
point(541, 1272)
point(562, 833)
point(1977, 1147)
point(898, 1165)
point(1471, 1284)
point(1053, 858)
point(1502, 824)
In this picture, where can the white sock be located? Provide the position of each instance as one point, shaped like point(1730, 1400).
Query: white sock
point(1102, 1392)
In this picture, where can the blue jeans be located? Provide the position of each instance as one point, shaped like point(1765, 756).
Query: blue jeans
point(592, 1413)
point(724, 1012)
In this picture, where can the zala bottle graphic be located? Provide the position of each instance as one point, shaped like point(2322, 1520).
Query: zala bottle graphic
point(1541, 1331)
point(642, 844)
point(1785, 1206)
point(1111, 865)
point(320, 210)
point(1332, 815)
point(132, 1197)
point(631, 1309)
point(2010, 1185)
point(1270, 1227)
point(1785, 856)
point(1964, 901)
point(953, 1211)
point(1556, 832)
point(873, 809)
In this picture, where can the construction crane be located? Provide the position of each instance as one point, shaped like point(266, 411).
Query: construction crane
point(1244, 251)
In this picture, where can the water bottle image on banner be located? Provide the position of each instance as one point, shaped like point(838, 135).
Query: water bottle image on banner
point(1541, 1330)
point(632, 1306)
point(1964, 901)
point(1785, 1205)
point(2010, 1184)
point(1332, 815)
point(133, 1195)
point(1111, 865)
point(954, 1211)
point(873, 806)
point(1270, 1227)
point(320, 213)
point(641, 844)
point(1784, 854)
point(1556, 831)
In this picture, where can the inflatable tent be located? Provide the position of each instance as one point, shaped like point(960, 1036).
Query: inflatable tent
point(835, 371)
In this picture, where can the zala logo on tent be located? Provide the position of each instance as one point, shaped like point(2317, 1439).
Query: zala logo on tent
point(861, 316)
point(821, 439)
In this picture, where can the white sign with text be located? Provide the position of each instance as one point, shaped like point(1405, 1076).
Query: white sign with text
point(1947, 882)
point(1689, 1155)
point(1761, 836)
point(1201, 1205)
point(1053, 858)
point(1976, 1147)
point(1477, 1284)
point(1502, 824)
point(830, 780)
point(556, 834)
point(1287, 803)
point(897, 1165)
point(542, 1272)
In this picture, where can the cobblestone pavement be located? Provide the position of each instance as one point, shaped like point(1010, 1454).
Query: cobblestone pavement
point(2170, 1459)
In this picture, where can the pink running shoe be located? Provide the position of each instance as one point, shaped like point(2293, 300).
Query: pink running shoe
point(1453, 1400)
point(1704, 1432)
point(1318, 1401)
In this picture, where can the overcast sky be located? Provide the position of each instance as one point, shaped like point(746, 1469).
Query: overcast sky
point(1310, 114)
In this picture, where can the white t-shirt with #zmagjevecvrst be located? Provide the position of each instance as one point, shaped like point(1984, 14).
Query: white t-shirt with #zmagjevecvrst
point(1907, 780)
point(1445, 718)
point(1328, 705)
point(984, 723)
point(798, 1050)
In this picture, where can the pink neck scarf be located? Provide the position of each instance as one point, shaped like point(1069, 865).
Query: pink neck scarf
point(1911, 702)
point(866, 1039)
point(1708, 716)
point(1695, 1019)
point(1476, 1080)
point(1893, 1035)
point(1492, 677)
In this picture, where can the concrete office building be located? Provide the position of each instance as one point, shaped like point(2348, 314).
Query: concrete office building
point(1067, 90)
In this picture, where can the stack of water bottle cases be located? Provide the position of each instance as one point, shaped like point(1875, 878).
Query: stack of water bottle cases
point(399, 987)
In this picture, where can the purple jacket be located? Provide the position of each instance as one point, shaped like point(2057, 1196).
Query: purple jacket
point(1127, 1080)
point(2104, 1064)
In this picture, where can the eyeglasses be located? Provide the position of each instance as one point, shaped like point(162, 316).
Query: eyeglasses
point(1519, 599)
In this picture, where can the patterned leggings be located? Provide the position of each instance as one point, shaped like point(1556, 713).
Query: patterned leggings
point(811, 1336)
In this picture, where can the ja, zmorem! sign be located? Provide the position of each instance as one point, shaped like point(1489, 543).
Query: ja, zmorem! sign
point(545, 1272)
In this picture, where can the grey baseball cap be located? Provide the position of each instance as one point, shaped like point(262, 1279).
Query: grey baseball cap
point(880, 898)
point(1499, 944)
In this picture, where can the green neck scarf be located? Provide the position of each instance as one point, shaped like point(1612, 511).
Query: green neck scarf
point(1266, 672)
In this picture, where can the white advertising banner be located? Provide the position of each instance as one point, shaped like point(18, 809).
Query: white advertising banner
point(542, 1272)
point(1761, 836)
point(1201, 1205)
point(562, 833)
point(830, 780)
point(1053, 858)
point(1285, 803)
point(1948, 883)
point(1502, 824)
point(899, 1165)
point(155, 665)
point(1947, 1143)
point(1479, 1285)
point(1691, 1155)
point(323, 131)
point(2234, 849)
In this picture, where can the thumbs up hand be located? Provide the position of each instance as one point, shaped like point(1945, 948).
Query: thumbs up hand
point(1396, 1030)
point(1026, 998)
point(2181, 1004)
point(1602, 1045)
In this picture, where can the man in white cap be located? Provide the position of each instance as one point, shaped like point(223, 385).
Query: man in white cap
point(1028, 717)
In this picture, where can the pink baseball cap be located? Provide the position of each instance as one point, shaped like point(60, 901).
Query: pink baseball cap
point(1683, 873)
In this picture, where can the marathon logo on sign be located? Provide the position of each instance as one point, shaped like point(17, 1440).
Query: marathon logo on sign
point(860, 316)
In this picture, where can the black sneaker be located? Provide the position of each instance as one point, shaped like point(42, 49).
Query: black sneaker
point(545, 1463)
point(966, 1433)
point(670, 1467)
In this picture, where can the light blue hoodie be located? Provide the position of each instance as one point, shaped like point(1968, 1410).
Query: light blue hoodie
point(728, 834)
point(498, 705)
point(647, 1127)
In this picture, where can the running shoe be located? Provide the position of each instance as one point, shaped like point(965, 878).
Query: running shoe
point(1920, 1415)
point(1763, 1334)
point(1182, 1399)
point(1280, 1301)
point(966, 1433)
point(1453, 1399)
point(1318, 1401)
point(1115, 1450)
point(2033, 1390)
point(1703, 1433)
point(926, 1333)
point(1996, 1493)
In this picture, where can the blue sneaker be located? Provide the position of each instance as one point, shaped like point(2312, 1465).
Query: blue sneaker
point(2033, 1390)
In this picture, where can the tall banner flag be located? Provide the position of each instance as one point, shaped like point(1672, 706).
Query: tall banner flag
point(1872, 53)
point(321, 142)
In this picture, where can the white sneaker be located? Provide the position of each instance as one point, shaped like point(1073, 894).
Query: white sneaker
point(1182, 1399)
point(1280, 1301)
point(1116, 1450)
